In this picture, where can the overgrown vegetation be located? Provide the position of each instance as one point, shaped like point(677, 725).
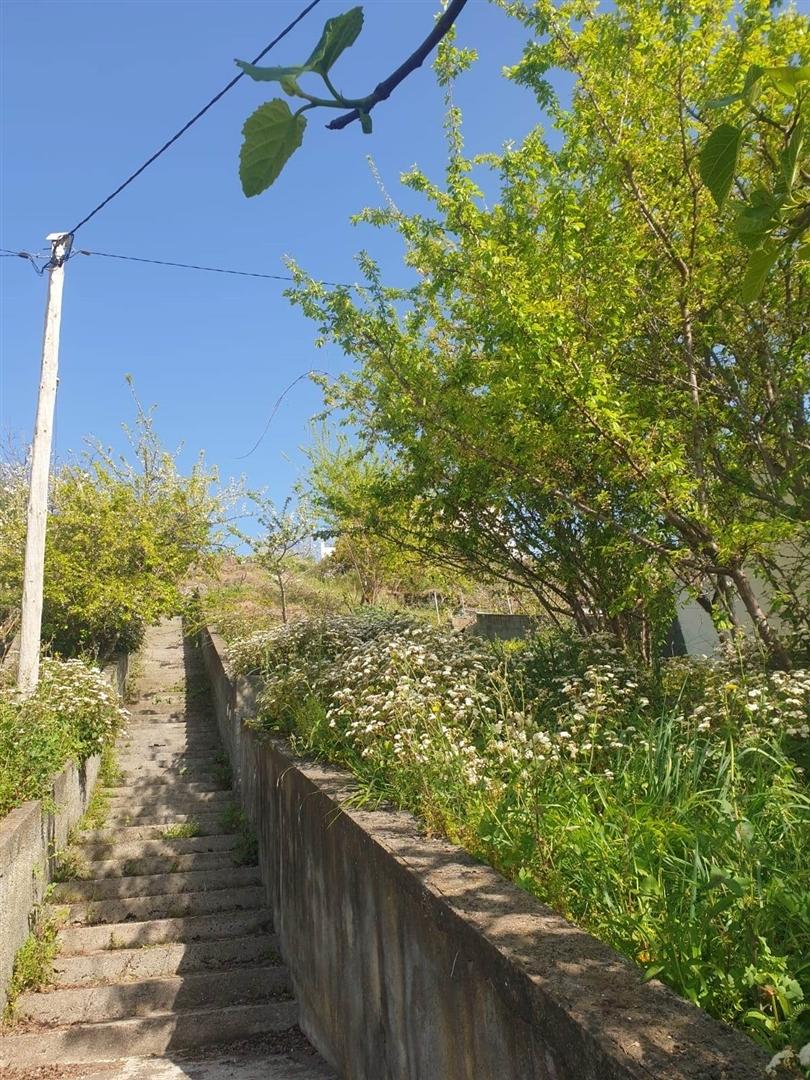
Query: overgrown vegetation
point(666, 809)
point(72, 716)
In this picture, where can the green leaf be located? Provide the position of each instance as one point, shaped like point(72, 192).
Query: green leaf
point(271, 134)
point(756, 217)
point(759, 265)
point(751, 86)
point(269, 74)
point(338, 34)
point(790, 155)
point(787, 79)
point(718, 160)
point(722, 102)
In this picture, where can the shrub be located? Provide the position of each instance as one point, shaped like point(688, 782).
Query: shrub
point(71, 716)
point(121, 538)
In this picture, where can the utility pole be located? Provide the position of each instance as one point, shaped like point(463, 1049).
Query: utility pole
point(33, 579)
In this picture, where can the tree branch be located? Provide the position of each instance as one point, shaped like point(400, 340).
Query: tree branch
point(415, 60)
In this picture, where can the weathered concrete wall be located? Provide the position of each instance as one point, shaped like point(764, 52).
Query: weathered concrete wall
point(30, 837)
point(499, 627)
point(413, 962)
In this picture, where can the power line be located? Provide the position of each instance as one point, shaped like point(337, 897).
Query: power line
point(206, 269)
point(194, 118)
point(176, 265)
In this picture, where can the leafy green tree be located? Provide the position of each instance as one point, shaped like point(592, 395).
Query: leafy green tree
point(574, 393)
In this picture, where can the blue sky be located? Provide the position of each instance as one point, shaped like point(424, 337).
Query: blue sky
point(89, 90)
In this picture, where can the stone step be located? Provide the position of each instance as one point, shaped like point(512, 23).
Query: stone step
point(143, 1036)
point(170, 799)
point(163, 906)
point(155, 848)
point(147, 997)
point(71, 892)
point(133, 935)
point(204, 825)
point(117, 965)
point(159, 864)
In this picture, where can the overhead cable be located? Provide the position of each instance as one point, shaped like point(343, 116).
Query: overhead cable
point(194, 118)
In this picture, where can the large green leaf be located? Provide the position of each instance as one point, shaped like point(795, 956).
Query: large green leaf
point(338, 34)
point(792, 155)
point(718, 160)
point(759, 265)
point(268, 74)
point(787, 79)
point(271, 134)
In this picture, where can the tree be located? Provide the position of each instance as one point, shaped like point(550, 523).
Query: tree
point(287, 531)
point(574, 394)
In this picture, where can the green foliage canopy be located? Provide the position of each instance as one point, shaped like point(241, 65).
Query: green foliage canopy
point(574, 394)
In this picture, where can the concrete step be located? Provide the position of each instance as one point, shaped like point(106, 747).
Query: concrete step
point(171, 742)
point(163, 906)
point(158, 864)
point(170, 799)
point(133, 935)
point(147, 997)
point(155, 884)
point(147, 779)
point(204, 825)
point(141, 729)
point(155, 848)
point(162, 760)
point(143, 1036)
point(158, 786)
point(153, 815)
point(117, 965)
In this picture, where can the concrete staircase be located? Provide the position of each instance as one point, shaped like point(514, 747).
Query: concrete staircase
point(165, 943)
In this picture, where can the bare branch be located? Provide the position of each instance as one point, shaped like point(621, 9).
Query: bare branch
point(415, 60)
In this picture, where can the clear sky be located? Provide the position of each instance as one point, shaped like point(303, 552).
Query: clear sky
point(89, 90)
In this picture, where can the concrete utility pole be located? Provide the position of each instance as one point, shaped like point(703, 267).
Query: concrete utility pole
point(31, 621)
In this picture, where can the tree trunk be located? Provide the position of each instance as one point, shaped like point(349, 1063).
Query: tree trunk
point(283, 593)
point(759, 619)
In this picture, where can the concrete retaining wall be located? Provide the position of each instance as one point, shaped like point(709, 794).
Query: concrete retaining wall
point(411, 961)
point(30, 837)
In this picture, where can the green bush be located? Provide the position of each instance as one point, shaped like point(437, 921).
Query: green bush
point(71, 716)
point(666, 811)
point(121, 537)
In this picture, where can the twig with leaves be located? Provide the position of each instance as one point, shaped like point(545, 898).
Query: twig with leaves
point(274, 132)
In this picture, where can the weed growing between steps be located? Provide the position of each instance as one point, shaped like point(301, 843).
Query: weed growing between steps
point(221, 771)
point(182, 830)
point(246, 852)
point(33, 964)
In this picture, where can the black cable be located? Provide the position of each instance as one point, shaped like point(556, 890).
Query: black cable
point(6, 253)
point(195, 118)
point(207, 269)
point(279, 399)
